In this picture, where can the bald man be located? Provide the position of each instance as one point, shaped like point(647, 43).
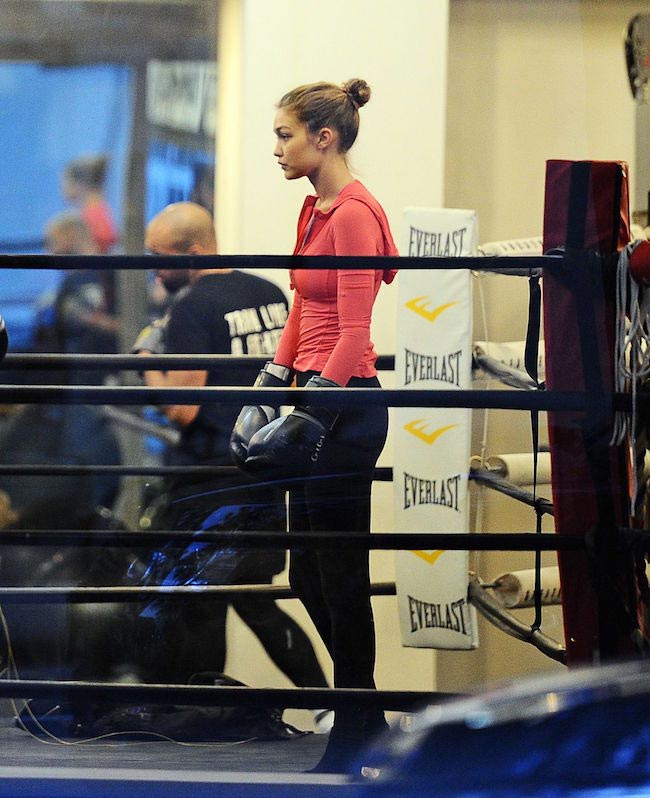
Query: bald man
point(225, 311)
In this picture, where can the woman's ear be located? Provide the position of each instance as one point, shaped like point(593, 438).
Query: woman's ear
point(324, 138)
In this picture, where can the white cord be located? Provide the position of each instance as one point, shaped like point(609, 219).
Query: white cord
point(480, 509)
point(11, 672)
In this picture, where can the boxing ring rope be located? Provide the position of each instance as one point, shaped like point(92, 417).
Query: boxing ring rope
point(528, 396)
point(502, 371)
point(528, 266)
point(493, 611)
point(134, 593)
point(383, 541)
point(208, 695)
point(82, 595)
point(483, 476)
point(485, 603)
point(382, 474)
point(53, 361)
point(327, 397)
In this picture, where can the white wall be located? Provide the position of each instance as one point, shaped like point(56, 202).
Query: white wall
point(265, 50)
point(399, 50)
point(529, 81)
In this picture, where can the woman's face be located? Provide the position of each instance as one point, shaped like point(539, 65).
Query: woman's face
point(295, 147)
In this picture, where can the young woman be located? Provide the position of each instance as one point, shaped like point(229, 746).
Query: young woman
point(326, 342)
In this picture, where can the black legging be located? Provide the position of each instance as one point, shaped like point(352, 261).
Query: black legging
point(334, 583)
point(197, 640)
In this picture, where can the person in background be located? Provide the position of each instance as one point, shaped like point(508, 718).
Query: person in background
point(225, 311)
point(83, 187)
point(330, 453)
point(203, 189)
point(84, 321)
point(82, 324)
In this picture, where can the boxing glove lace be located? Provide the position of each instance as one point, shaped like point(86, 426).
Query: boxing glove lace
point(253, 417)
point(292, 445)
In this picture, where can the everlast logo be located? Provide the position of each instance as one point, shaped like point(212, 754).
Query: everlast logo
point(420, 305)
point(443, 492)
point(425, 244)
point(424, 368)
point(429, 556)
point(418, 427)
point(424, 615)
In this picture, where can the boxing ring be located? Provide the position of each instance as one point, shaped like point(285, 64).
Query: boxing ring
point(605, 548)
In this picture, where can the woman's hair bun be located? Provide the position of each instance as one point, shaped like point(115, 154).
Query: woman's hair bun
point(357, 90)
point(90, 170)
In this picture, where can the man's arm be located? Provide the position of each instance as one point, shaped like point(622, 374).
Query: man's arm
point(180, 414)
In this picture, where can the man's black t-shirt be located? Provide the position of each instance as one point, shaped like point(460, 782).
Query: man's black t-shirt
point(232, 313)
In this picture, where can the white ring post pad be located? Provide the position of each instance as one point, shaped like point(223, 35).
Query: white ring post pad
point(586, 209)
point(432, 445)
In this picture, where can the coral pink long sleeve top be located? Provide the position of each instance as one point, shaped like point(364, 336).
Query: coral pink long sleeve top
point(328, 329)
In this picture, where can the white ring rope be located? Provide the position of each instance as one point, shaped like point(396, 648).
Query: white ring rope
point(494, 612)
point(516, 589)
point(514, 247)
point(501, 371)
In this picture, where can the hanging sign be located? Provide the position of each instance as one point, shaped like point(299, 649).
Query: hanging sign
point(432, 445)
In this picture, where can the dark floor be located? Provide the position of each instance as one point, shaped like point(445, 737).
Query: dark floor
point(293, 755)
point(35, 768)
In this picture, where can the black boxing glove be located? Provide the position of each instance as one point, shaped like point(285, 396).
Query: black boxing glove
point(293, 444)
point(4, 338)
point(253, 417)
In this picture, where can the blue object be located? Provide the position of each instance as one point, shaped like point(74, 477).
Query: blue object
point(48, 116)
point(572, 735)
point(171, 174)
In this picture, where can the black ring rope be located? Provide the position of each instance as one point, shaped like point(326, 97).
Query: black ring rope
point(524, 265)
point(89, 395)
point(86, 395)
point(382, 474)
point(53, 361)
point(208, 695)
point(383, 541)
point(83, 595)
point(327, 397)
point(636, 540)
point(501, 485)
